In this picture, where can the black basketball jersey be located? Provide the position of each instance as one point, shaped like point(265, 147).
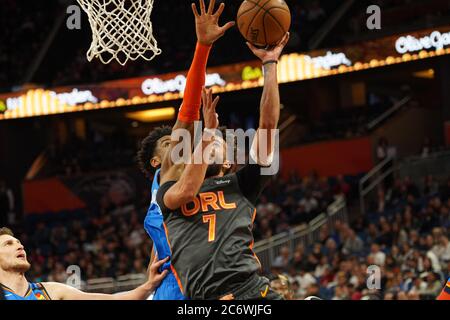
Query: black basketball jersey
point(211, 237)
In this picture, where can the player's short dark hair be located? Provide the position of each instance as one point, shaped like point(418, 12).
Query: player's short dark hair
point(6, 231)
point(147, 149)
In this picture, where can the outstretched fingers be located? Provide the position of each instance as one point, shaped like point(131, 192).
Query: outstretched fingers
point(204, 98)
point(215, 102)
point(210, 99)
point(285, 40)
point(219, 10)
point(212, 3)
point(202, 7)
point(227, 26)
point(194, 10)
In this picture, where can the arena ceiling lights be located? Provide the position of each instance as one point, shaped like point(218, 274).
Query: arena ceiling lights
point(152, 115)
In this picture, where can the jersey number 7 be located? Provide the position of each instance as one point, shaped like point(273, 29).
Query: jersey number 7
point(211, 219)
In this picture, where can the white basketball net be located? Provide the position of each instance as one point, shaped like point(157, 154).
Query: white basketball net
point(121, 30)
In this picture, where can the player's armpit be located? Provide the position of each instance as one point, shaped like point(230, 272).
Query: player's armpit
point(251, 181)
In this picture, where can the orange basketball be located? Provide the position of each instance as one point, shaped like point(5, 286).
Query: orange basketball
point(264, 22)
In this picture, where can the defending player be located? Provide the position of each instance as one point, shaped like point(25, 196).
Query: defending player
point(209, 221)
point(155, 150)
point(14, 285)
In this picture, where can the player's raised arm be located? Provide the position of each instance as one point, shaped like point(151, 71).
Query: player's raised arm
point(270, 103)
point(173, 195)
point(208, 31)
point(59, 291)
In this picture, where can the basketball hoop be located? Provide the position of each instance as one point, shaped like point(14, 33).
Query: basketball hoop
point(121, 30)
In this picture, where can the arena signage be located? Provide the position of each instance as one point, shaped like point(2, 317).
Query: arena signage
point(36, 100)
point(2, 106)
point(410, 43)
point(250, 73)
point(177, 84)
point(239, 76)
point(330, 60)
point(38, 97)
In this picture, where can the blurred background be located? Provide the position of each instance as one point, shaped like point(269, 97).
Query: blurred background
point(364, 137)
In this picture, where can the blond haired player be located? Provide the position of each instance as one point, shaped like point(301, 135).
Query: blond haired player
point(15, 286)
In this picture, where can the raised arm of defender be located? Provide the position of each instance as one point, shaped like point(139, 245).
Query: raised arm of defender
point(59, 291)
point(263, 144)
point(188, 185)
point(208, 31)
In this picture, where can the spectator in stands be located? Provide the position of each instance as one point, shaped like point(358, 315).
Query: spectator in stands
point(342, 187)
point(382, 149)
point(284, 258)
point(426, 148)
point(381, 200)
point(305, 280)
point(432, 285)
point(442, 250)
point(353, 245)
point(378, 256)
point(309, 203)
point(431, 187)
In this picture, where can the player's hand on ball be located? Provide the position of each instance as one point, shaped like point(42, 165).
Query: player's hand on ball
point(210, 117)
point(207, 23)
point(271, 54)
point(154, 277)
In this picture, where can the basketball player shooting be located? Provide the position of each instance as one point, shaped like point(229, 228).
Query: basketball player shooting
point(14, 285)
point(154, 155)
point(208, 216)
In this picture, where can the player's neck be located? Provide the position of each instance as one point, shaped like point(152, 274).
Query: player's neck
point(15, 281)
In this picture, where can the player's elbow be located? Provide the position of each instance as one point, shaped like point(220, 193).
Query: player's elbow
point(187, 197)
point(176, 198)
point(187, 192)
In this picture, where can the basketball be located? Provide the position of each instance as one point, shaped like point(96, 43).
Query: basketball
point(264, 22)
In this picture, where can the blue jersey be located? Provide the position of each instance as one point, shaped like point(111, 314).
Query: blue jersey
point(36, 291)
point(154, 225)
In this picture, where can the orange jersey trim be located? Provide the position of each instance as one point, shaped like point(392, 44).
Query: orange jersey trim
point(175, 273)
point(253, 241)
